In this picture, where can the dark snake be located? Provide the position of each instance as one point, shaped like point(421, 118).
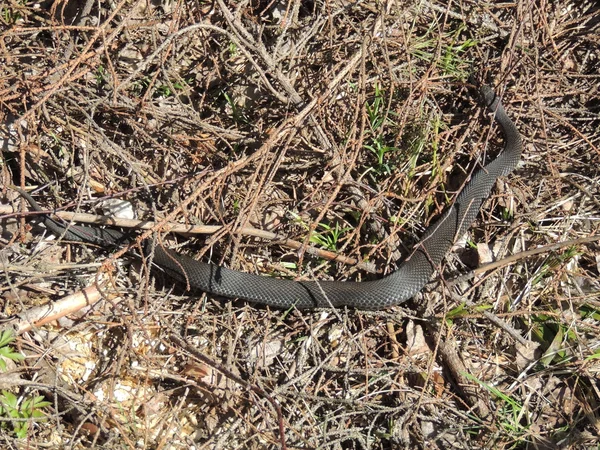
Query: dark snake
point(393, 289)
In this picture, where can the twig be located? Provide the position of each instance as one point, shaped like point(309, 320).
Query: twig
point(524, 255)
point(41, 315)
point(173, 227)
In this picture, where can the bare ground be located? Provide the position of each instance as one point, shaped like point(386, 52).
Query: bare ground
point(341, 126)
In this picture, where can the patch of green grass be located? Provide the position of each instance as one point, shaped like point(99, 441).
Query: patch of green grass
point(237, 113)
point(593, 356)
point(11, 15)
point(463, 310)
point(436, 126)
point(423, 147)
point(163, 89)
point(233, 49)
point(557, 260)
point(556, 349)
point(555, 338)
point(325, 236)
point(139, 86)
point(25, 409)
point(101, 75)
point(379, 119)
point(417, 146)
point(171, 88)
point(328, 236)
point(507, 214)
point(589, 312)
point(423, 46)
point(512, 418)
point(451, 61)
point(423, 136)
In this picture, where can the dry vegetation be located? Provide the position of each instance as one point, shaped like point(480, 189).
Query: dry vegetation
point(344, 126)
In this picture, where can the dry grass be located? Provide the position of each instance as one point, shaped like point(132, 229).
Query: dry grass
point(270, 115)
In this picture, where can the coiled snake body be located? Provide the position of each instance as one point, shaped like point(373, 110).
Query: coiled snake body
point(393, 289)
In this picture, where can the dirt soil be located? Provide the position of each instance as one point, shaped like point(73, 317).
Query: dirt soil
point(316, 140)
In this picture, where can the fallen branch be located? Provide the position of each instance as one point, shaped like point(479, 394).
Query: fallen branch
point(172, 227)
point(41, 315)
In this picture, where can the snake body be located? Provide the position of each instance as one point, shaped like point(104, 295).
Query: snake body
point(393, 289)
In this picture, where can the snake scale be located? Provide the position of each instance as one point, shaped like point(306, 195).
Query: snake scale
point(393, 289)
